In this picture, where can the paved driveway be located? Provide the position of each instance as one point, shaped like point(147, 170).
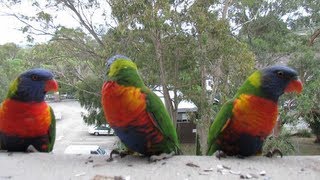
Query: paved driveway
point(71, 130)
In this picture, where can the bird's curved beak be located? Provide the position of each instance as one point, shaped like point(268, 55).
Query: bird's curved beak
point(294, 86)
point(51, 85)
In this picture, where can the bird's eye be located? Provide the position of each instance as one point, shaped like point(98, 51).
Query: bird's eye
point(35, 78)
point(280, 74)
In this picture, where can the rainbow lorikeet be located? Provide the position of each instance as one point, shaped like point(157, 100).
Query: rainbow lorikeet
point(136, 114)
point(26, 120)
point(243, 123)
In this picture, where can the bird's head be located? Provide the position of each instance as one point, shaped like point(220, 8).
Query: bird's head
point(276, 80)
point(32, 85)
point(117, 63)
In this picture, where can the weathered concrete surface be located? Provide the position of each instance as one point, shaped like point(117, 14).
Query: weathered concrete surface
point(59, 166)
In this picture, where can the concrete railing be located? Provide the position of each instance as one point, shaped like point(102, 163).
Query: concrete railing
point(59, 166)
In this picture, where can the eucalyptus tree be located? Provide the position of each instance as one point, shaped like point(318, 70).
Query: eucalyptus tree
point(11, 65)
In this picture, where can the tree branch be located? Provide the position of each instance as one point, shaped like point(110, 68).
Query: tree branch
point(225, 9)
point(80, 89)
point(91, 30)
point(313, 37)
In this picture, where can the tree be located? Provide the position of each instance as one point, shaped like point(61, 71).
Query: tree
point(178, 46)
point(217, 59)
point(307, 62)
point(195, 50)
point(11, 65)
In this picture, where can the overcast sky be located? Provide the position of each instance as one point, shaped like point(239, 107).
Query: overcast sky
point(9, 26)
point(9, 32)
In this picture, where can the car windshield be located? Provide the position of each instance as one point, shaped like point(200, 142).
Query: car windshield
point(101, 151)
point(94, 152)
point(103, 127)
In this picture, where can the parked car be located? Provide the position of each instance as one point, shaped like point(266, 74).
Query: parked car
point(85, 149)
point(101, 130)
point(57, 115)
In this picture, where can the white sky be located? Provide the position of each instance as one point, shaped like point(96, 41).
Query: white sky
point(9, 26)
point(9, 32)
point(9, 29)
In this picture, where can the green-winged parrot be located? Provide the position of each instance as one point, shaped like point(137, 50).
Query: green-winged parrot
point(26, 120)
point(243, 123)
point(136, 114)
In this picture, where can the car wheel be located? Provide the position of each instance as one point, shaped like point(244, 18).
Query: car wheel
point(96, 133)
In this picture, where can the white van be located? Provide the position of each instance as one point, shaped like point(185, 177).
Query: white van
point(85, 149)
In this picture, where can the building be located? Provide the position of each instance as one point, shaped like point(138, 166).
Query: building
point(186, 129)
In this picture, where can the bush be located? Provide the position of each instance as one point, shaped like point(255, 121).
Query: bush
point(282, 142)
point(303, 133)
point(315, 126)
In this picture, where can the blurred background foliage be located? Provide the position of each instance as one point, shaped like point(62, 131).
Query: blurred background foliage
point(179, 45)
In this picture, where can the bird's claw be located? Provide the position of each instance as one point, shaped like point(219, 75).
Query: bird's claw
point(240, 156)
point(220, 154)
point(31, 149)
point(161, 156)
point(121, 154)
point(271, 153)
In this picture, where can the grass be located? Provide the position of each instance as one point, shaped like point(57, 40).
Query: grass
point(305, 146)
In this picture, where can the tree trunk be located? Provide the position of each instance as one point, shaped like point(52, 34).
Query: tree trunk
point(317, 140)
point(225, 8)
point(202, 127)
point(277, 128)
point(202, 131)
point(314, 36)
point(166, 94)
point(175, 93)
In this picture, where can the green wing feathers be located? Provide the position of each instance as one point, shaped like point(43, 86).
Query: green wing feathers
point(216, 127)
point(52, 131)
point(162, 121)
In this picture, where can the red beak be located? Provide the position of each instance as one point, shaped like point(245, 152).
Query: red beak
point(294, 86)
point(51, 85)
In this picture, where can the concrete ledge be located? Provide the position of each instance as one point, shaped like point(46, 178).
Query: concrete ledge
point(60, 166)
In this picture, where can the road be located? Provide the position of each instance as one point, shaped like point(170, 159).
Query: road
point(71, 130)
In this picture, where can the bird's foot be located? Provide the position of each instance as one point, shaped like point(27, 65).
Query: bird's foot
point(240, 156)
point(220, 154)
point(120, 153)
point(31, 149)
point(161, 156)
point(271, 153)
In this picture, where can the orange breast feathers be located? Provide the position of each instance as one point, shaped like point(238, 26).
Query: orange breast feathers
point(24, 119)
point(254, 115)
point(123, 105)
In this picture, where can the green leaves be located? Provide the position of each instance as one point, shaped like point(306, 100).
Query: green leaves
point(306, 62)
point(44, 16)
point(11, 65)
point(190, 39)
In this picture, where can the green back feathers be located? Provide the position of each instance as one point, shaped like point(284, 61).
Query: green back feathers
point(52, 131)
point(13, 88)
point(163, 121)
point(217, 126)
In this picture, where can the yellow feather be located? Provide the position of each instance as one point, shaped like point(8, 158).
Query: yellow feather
point(13, 88)
point(255, 79)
